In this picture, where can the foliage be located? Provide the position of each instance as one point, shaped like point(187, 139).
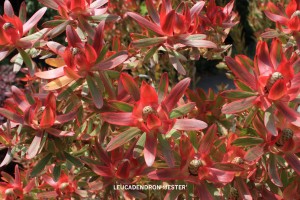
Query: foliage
point(111, 104)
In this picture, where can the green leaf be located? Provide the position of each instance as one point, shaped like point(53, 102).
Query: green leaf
point(148, 42)
point(11, 116)
point(123, 138)
point(28, 61)
point(139, 147)
point(69, 91)
point(106, 17)
point(56, 172)
point(121, 106)
point(166, 150)
point(182, 110)
point(236, 94)
point(150, 53)
point(40, 165)
point(75, 161)
point(247, 141)
point(95, 92)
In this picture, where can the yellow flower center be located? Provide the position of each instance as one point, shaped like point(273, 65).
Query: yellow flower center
point(74, 51)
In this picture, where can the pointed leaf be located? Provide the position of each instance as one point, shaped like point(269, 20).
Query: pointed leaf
point(176, 93)
point(34, 20)
point(95, 92)
point(148, 42)
point(208, 140)
point(123, 138)
point(130, 86)
point(242, 187)
point(40, 165)
point(75, 161)
point(177, 64)
point(166, 150)
point(241, 72)
point(270, 122)
point(11, 116)
point(247, 141)
point(293, 161)
point(182, 110)
point(239, 105)
point(237, 94)
point(254, 154)
point(189, 124)
point(121, 119)
point(114, 61)
point(150, 148)
point(145, 23)
point(58, 83)
point(273, 171)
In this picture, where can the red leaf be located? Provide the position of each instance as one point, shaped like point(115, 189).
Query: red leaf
point(130, 86)
point(273, 171)
point(33, 20)
point(239, 105)
point(152, 11)
point(102, 170)
point(163, 87)
point(208, 140)
point(243, 189)
point(187, 151)
point(56, 48)
point(241, 72)
point(145, 23)
point(150, 148)
point(293, 161)
point(166, 174)
point(167, 22)
point(278, 90)
point(123, 169)
point(11, 116)
point(113, 62)
point(176, 93)
point(121, 119)
point(123, 138)
point(276, 18)
point(189, 124)
point(153, 122)
point(72, 36)
point(203, 192)
point(254, 154)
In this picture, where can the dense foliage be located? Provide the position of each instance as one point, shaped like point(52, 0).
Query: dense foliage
point(111, 104)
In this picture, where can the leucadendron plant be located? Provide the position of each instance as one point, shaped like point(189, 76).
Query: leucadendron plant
point(106, 103)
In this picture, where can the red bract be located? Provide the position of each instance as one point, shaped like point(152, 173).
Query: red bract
point(271, 81)
point(74, 9)
point(12, 29)
point(13, 188)
point(175, 28)
point(290, 19)
point(217, 19)
point(198, 167)
point(151, 112)
point(80, 61)
point(65, 187)
point(39, 114)
point(119, 166)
